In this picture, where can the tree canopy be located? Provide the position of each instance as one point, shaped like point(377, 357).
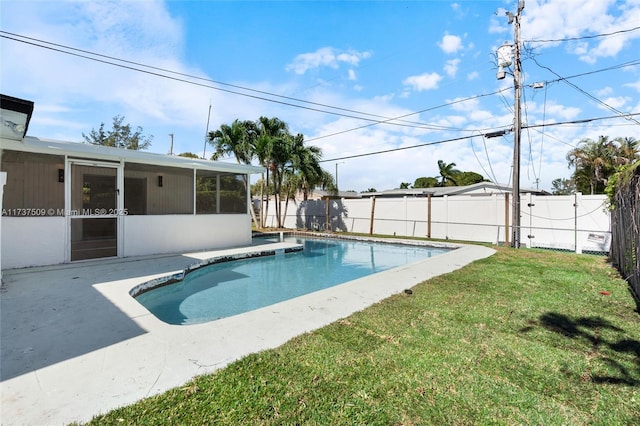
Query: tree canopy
point(594, 162)
point(291, 165)
point(562, 186)
point(120, 136)
point(449, 176)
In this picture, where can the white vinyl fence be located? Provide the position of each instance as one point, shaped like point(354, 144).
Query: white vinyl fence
point(579, 223)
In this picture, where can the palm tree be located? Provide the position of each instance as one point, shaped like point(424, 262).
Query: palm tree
point(446, 172)
point(234, 140)
point(594, 163)
point(628, 150)
point(305, 161)
point(304, 173)
point(237, 140)
point(272, 136)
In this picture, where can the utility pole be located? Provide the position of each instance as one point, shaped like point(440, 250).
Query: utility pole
point(171, 146)
point(517, 126)
point(206, 134)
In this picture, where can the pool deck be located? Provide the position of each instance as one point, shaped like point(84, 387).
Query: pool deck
point(74, 343)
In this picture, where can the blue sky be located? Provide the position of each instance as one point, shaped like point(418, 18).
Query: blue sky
point(331, 69)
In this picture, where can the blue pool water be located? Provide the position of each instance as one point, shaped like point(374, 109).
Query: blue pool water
point(226, 289)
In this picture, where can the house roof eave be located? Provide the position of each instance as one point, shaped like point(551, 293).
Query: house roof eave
point(84, 150)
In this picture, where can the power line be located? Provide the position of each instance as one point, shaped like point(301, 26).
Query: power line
point(108, 60)
point(582, 37)
point(544, 118)
point(589, 95)
point(412, 113)
point(484, 142)
point(524, 126)
point(530, 162)
point(394, 149)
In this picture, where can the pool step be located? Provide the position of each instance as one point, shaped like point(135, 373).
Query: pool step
point(221, 256)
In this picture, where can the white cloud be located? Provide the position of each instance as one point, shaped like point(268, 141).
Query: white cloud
point(451, 67)
point(473, 75)
point(605, 91)
point(635, 86)
point(559, 19)
point(464, 104)
point(352, 75)
point(617, 102)
point(426, 81)
point(325, 57)
point(561, 111)
point(498, 24)
point(450, 43)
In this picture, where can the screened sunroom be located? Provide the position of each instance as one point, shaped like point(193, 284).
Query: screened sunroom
point(67, 201)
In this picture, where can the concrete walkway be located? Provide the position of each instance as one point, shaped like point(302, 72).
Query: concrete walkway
point(74, 343)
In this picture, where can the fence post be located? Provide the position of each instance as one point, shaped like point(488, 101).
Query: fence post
point(373, 209)
point(506, 219)
point(406, 216)
point(446, 216)
point(578, 246)
point(428, 215)
point(530, 205)
point(327, 219)
point(496, 217)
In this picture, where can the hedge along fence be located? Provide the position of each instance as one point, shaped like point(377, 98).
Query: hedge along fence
point(625, 223)
point(574, 222)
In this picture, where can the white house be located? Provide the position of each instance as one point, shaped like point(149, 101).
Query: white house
point(68, 201)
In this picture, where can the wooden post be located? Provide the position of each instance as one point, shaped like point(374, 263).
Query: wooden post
point(373, 209)
point(506, 219)
point(428, 215)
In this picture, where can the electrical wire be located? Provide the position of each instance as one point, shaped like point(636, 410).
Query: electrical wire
point(583, 37)
point(535, 126)
point(108, 60)
point(544, 119)
point(570, 145)
point(394, 149)
point(604, 104)
point(526, 120)
point(492, 175)
point(412, 113)
point(59, 48)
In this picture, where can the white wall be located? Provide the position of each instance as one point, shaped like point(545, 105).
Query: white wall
point(32, 241)
point(144, 235)
point(574, 222)
point(38, 241)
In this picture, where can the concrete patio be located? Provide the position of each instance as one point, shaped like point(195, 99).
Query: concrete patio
point(74, 343)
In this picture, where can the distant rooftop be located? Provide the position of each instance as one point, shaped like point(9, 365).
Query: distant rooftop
point(481, 188)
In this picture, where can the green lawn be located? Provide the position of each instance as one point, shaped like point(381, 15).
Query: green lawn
point(523, 337)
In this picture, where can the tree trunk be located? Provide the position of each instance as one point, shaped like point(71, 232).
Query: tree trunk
point(266, 209)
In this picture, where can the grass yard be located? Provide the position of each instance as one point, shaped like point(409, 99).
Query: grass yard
point(523, 337)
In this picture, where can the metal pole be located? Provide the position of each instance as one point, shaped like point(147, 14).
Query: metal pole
point(206, 134)
point(515, 240)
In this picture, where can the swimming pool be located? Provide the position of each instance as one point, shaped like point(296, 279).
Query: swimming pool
point(225, 289)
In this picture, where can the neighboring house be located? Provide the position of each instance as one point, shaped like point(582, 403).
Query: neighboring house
point(320, 194)
point(480, 188)
point(67, 201)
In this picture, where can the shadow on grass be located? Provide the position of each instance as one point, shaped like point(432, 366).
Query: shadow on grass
point(589, 330)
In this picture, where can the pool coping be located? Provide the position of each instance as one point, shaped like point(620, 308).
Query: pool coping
point(133, 354)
